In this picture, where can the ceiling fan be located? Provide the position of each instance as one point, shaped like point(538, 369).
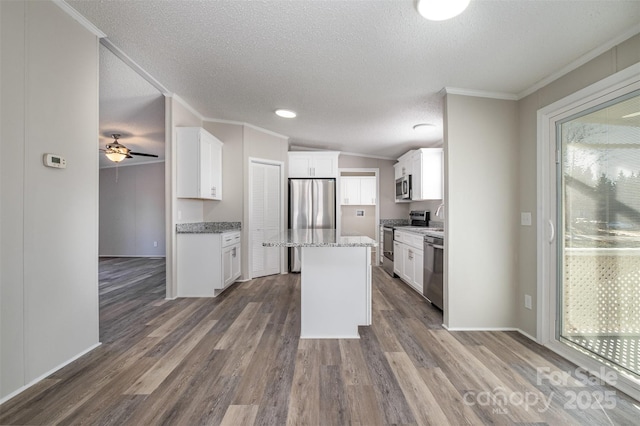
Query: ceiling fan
point(117, 152)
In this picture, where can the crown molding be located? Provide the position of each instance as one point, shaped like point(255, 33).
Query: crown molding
point(358, 154)
point(242, 123)
point(134, 66)
point(79, 18)
point(119, 165)
point(480, 93)
point(297, 148)
point(581, 61)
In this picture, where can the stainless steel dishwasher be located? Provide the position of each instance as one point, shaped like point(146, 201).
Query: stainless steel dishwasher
point(433, 266)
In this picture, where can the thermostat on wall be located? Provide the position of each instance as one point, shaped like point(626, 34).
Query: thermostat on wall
point(53, 160)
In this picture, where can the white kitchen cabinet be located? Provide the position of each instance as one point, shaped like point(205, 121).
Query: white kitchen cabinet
point(322, 164)
point(404, 166)
point(231, 263)
point(409, 258)
point(427, 181)
point(207, 263)
point(199, 164)
point(368, 193)
point(398, 259)
point(358, 190)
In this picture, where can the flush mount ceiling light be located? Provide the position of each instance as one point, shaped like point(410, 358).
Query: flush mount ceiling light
point(440, 10)
point(285, 113)
point(423, 127)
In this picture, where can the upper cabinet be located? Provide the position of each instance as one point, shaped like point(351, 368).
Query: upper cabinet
point(199, 164)
point(404, 166)
point(358, 190)
point(427, 174)
point(323, 164)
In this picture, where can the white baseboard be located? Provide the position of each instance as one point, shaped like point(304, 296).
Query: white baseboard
point(159, 256)
point(528, 336)
point(48, 373)
point(525, 334)
point(481, 328)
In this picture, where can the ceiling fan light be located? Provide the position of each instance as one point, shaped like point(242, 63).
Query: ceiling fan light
point(115, 156)
point(440, 10)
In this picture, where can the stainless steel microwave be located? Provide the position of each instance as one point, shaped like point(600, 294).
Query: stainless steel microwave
point(403, 188)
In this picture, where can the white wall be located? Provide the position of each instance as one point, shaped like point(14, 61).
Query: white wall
point(230, 208)
point(610, 62)
point(49, 218)
point(481, 156)
point(132, 210)
point(352, 224)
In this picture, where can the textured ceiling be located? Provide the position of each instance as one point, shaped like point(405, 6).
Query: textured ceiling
point(359, 74)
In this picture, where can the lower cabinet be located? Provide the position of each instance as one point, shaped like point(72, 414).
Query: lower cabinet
point(207, 263)
point(409, 259)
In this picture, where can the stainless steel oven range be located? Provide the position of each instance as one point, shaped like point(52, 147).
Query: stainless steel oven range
point(417, 218)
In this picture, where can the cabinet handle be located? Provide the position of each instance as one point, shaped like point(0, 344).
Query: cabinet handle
point(233, 252)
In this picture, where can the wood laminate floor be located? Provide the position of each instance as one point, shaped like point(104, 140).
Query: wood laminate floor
point(237, 360)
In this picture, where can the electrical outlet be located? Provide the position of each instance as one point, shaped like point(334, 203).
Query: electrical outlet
point(527, 302)
point(525, 219)
point(155, 244)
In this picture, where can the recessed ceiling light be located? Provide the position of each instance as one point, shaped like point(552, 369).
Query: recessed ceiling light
point(635, 114)
point(440, 10)
point(285, 113)
point(422, 127)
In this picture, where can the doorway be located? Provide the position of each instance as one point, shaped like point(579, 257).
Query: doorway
point(590, 238)
point(266, 179)
point(132, 219)
point(358, 206)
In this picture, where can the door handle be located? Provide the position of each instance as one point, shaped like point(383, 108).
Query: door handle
point(552, 231)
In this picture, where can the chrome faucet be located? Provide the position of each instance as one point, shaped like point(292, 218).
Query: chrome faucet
point(440, 207)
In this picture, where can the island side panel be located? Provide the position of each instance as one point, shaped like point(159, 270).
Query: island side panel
point(336, 294)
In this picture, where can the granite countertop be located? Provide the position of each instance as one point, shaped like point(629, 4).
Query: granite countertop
point(394, 222)
point(318, 238)
point(207, 227)
point(422, 230)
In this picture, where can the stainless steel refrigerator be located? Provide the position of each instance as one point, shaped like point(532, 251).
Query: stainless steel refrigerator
point(312, 205)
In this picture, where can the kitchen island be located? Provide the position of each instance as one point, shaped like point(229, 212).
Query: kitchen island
point(335, 281)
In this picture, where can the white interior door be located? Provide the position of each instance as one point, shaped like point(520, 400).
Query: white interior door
point(265, 216)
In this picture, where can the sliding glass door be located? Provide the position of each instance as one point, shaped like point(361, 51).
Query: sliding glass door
point(598, 241)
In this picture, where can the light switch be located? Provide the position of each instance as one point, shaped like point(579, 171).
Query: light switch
point(525, 218)
point(527, 302)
